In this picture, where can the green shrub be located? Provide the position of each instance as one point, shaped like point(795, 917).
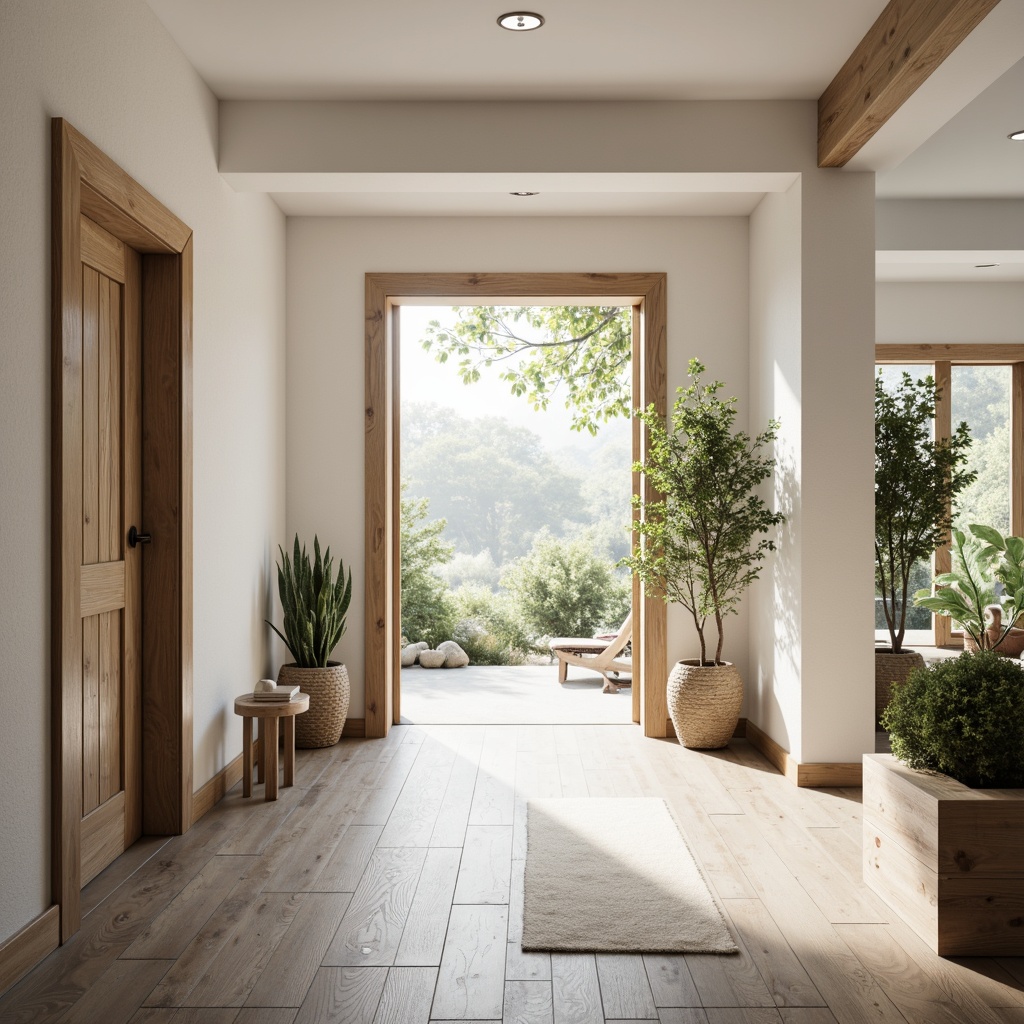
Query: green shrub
point(563, 589)
point(489, 629)
point(427, 609)
point(963, 717)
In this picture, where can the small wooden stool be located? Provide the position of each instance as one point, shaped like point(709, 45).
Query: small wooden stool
point(269, 712)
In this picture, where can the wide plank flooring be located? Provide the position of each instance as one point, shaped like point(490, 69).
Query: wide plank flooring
point(387, 886)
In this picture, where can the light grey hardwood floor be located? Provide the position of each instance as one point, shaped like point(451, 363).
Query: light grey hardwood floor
point(387, 886)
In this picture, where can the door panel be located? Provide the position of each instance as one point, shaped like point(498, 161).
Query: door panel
point(102, 219)
point(111, 785)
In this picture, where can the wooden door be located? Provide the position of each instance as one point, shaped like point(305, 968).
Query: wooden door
point(110, 569)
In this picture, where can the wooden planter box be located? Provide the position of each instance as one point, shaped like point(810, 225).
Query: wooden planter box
point(947, 858)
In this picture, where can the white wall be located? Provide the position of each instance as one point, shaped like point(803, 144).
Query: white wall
point(706, 262)
point(110, 68)
point(773, 692)
point(940, 314)
point(812, 353)
point(837, 468)
point(949, 224)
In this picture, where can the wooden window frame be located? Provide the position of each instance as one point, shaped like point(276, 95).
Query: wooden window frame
point(384, 294)
point(942, 359)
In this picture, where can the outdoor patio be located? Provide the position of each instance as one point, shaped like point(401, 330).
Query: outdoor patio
point(509, 694)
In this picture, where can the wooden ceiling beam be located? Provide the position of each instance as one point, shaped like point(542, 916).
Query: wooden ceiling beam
point(910, 39)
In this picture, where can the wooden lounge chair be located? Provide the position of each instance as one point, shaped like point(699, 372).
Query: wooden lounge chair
point(596, 655)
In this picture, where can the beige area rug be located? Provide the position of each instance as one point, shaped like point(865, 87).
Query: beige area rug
point(615, 876)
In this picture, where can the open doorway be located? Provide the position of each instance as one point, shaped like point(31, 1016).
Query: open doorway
point(644, 294)
point(515, 452)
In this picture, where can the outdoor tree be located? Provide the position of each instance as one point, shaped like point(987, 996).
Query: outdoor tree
point(427, 610)
point(580, 354)
point(493, 482)
point(563, 589)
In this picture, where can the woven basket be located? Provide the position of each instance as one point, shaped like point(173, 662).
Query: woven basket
point(704, 703)
point(891, 669)
point(329, 692)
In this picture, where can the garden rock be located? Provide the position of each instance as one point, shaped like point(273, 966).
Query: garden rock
point(454, 655)
point(409, 655)
point(432, 659)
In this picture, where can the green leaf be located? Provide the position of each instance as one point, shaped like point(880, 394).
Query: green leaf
point(580, 352)
point(988, 534)
point(313, 606)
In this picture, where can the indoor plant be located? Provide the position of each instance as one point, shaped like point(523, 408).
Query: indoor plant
point(314, 608)
point(701, 544)
point(917, 478)
point(964, 717)
point(960, 844)
point(980, 559)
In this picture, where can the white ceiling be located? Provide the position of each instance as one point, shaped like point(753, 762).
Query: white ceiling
point(945, 265)
point(604, 50)
point(454, 49)
point(970, 157)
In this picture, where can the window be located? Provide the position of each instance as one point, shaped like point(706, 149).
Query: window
point(982, 385)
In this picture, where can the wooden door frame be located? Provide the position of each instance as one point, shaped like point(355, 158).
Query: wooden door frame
point(85, 181)
point(384, 293)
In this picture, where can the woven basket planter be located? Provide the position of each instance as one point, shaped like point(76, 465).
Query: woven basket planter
point(891, 669)
point(329, 692)
point(704, 703)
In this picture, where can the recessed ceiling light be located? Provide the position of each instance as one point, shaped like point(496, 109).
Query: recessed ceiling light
point(1017, 136)
point(524, 193)
point(984, 266)
point(521, 21)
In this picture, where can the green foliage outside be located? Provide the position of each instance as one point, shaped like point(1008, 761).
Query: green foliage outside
point(981, 560)
point(500, 582)
point(314, 606)
point(472, 570)
point(580, 354)
point(963, 717)
point(701, 546)
point(917, 480)
point(490, 628)
point(562, 588)
point(493, 482)
point(980, 395)
point(428, 612)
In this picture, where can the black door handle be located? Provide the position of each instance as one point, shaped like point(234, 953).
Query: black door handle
point(134, 537)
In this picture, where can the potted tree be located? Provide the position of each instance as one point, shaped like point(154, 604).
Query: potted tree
point(314, 621)
point(917, 479)
point(944, 813)
point(981, 559)
point(703, 542)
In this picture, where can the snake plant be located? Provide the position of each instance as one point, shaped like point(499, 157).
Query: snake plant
point(314, 606)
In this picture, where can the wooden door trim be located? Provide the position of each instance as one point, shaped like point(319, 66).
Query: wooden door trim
point(646, 292)
point(86, 181)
